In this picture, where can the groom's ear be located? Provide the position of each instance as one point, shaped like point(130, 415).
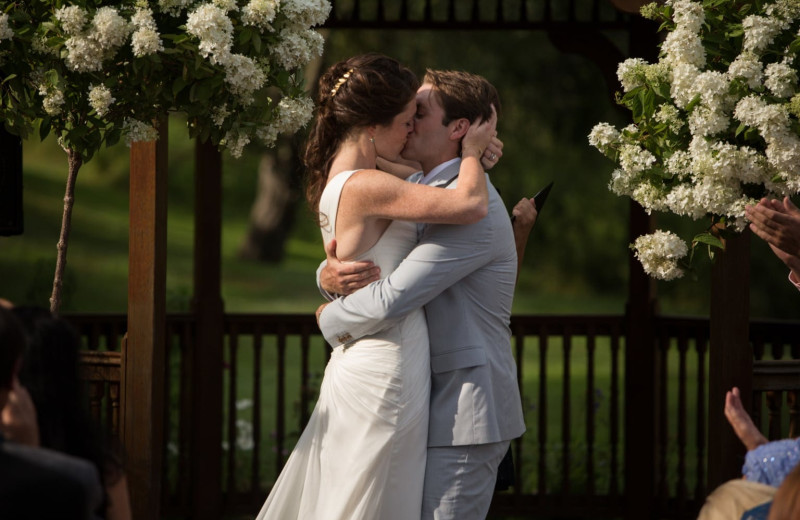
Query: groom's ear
point(458, 128)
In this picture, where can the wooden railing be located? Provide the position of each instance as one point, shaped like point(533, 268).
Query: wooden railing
point(474, 14)
point(568, 463)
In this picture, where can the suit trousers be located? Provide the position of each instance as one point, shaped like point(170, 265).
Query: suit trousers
point(460, 480)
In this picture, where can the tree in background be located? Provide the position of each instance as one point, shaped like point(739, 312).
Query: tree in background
point(93, 74)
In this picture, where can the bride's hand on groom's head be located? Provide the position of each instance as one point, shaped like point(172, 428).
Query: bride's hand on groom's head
point(491, 156)
point(345, 278)
point(480, 134)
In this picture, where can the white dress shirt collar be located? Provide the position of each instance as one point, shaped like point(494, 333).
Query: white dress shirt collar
point(426, 179)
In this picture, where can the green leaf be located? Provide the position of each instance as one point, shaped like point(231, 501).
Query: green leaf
point(693, 103)
point(257, 42)
point(708, 239)
point(179, 84)
point(44, 128)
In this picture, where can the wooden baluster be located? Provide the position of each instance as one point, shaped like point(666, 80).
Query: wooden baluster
point(113, 391)
point(499, 16)
point(700, 419)
point(794, 413)
point(542, 480)
point(428, 12)
point(404, 11)
point(233, 347)
point(523, 11)
point(451, 11)
point(548, 11)
point(355, 15)
point(615, 346)
point(774, 398)
point(682, 425)
point(95, 396)
point(475, 16)
point(519, 343)
point(280, 407)
point(591, 410)
point(663, 418)
point(255, 488)
point(381, 14)
point(566, 415)
point(185, 362)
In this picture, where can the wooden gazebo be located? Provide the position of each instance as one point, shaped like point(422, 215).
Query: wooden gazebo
point(139, 373)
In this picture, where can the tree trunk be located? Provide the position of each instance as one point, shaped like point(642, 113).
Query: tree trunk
point(75, 162)
point(272, 214)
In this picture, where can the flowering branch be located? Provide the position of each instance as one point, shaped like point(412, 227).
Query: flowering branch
point(94, 74)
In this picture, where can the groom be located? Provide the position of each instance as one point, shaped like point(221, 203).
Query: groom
point(465, 277)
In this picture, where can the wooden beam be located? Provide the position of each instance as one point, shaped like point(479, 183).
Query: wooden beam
point(731, 356)
point(143, 401)
point(207, 358)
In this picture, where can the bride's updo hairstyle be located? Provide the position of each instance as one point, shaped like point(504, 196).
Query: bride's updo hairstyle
point(365, 90)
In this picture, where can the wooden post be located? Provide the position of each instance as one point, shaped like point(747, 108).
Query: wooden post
point(208, 353)
point(143, 426)
point(640, 348)
point(640, 381)
point(731, 356)
point(11, 222)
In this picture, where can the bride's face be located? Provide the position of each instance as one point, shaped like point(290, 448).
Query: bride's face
point(390, 139)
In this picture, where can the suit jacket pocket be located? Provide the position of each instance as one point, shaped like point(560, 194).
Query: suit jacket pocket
point(462, 358)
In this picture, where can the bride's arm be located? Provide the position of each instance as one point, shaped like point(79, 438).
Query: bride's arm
point(379, 195)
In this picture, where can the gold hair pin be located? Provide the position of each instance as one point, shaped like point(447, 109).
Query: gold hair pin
point(341, 82)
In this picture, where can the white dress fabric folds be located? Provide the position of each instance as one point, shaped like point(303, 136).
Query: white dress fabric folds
point(362, 454)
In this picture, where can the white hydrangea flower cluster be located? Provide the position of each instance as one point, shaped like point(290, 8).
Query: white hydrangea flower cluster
point(306, 13)
point(660, 253)
point(260, 13)
point(87, 48)
point(174, 7)
point(293, 114)
point(145, 39)
point(53, 100)
point(100, 99)
point(296, 48)
point(687, 155)
point(6, 33)
point(235, 142)
point(781, 79)
point(135, 131)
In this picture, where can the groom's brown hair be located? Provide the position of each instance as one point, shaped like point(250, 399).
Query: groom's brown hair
point(463, 94)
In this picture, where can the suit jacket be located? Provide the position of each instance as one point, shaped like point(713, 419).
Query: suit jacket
point(465, 277)
point(38, 483)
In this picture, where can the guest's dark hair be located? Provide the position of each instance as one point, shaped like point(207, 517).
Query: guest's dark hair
point(370, 89)
point(463, 94)
point(12, 343)
point(50, 373)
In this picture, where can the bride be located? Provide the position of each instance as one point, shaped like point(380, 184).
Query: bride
point(362, 454)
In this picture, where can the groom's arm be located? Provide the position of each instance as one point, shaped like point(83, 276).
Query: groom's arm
point(336, 278)
point(445, 255)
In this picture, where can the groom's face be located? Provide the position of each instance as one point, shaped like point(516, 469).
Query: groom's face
point(430, 136)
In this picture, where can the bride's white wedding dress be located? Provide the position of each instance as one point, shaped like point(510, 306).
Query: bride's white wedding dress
point(362, 454)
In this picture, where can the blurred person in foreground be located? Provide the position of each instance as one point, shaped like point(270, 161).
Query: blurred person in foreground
point(770, 485)
point(35, 482)
point(50, 373)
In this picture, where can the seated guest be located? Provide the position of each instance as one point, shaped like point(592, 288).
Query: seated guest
point(50, 373)
point(38, 483)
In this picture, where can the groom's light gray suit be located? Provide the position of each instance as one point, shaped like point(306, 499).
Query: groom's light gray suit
point(465, 277)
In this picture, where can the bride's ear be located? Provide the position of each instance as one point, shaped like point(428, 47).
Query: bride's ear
point(458, 128)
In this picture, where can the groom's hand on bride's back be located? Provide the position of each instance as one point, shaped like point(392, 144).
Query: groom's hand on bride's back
point(345, 278)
